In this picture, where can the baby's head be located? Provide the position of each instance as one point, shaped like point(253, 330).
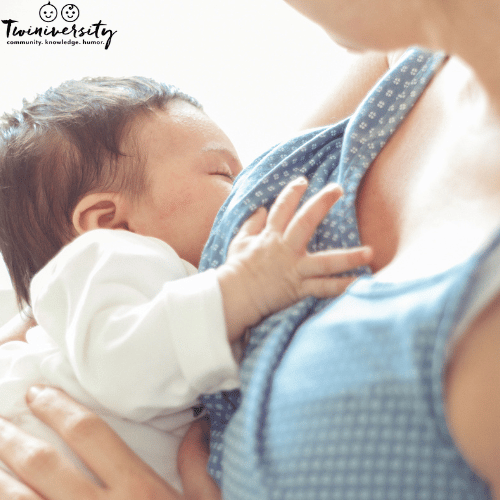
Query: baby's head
point(91, 154)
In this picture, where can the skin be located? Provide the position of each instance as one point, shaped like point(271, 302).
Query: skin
point(365, 69)
point(429, 187)
point(191, 165)
point(430, 199)
point(16, 328)
point(365, 25)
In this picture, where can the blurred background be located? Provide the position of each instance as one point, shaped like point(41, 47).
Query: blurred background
point(258, 67)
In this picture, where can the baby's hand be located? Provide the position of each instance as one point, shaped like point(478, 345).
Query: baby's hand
point(268, 267)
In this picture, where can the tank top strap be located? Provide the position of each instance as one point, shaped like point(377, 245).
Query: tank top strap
point(383, 110)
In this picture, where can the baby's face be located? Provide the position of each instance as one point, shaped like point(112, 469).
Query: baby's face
point(190, 165)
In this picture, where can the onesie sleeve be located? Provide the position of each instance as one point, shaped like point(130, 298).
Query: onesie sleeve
point(143, 336)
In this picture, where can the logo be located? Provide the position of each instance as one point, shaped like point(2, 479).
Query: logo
point(64, 32)
point(48, 13)
point(70, 12)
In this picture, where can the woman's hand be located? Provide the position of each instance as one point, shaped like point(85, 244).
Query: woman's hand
point(48, 475)
point(192, 463)
point(17, 327)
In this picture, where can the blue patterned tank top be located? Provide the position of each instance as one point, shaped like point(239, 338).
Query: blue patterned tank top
point(342, 398)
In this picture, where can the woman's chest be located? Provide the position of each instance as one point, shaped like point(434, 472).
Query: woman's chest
point(432, 196)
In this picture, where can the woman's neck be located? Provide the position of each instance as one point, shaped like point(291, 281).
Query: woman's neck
point(471, 31)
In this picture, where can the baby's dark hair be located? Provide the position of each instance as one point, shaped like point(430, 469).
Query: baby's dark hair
point(58, 148)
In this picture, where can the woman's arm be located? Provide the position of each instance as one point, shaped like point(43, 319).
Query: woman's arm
point(50, 476)
point(472, 395)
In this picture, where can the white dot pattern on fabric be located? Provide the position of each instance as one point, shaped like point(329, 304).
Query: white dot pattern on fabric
point(365, 446)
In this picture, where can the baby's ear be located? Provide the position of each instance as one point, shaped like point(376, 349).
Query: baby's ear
point(100, 210)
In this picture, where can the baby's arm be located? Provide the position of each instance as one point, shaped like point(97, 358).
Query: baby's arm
point(143, 342)
point(138, 333)
point(268, 267)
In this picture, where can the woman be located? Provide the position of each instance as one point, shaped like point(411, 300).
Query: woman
point(428, 205)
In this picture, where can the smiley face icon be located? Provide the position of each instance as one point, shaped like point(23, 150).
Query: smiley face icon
point(70, 12)
point(48, 12)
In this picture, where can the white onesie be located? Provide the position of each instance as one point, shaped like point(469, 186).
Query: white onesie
point(130, 330)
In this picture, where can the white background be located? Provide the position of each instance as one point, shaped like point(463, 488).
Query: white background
point(258, 67)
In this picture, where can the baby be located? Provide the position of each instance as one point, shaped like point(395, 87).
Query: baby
point(108, 191)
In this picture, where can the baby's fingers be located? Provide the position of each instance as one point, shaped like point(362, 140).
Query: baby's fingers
point(324, 288)
point(285, 205)
point(254, 224)
point(303, 225)
point(334, 261)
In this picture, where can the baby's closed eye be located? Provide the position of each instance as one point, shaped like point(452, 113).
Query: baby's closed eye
point(222, 169)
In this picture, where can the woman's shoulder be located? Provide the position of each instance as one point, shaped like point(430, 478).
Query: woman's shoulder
point(472, 376)
point(395, 57)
